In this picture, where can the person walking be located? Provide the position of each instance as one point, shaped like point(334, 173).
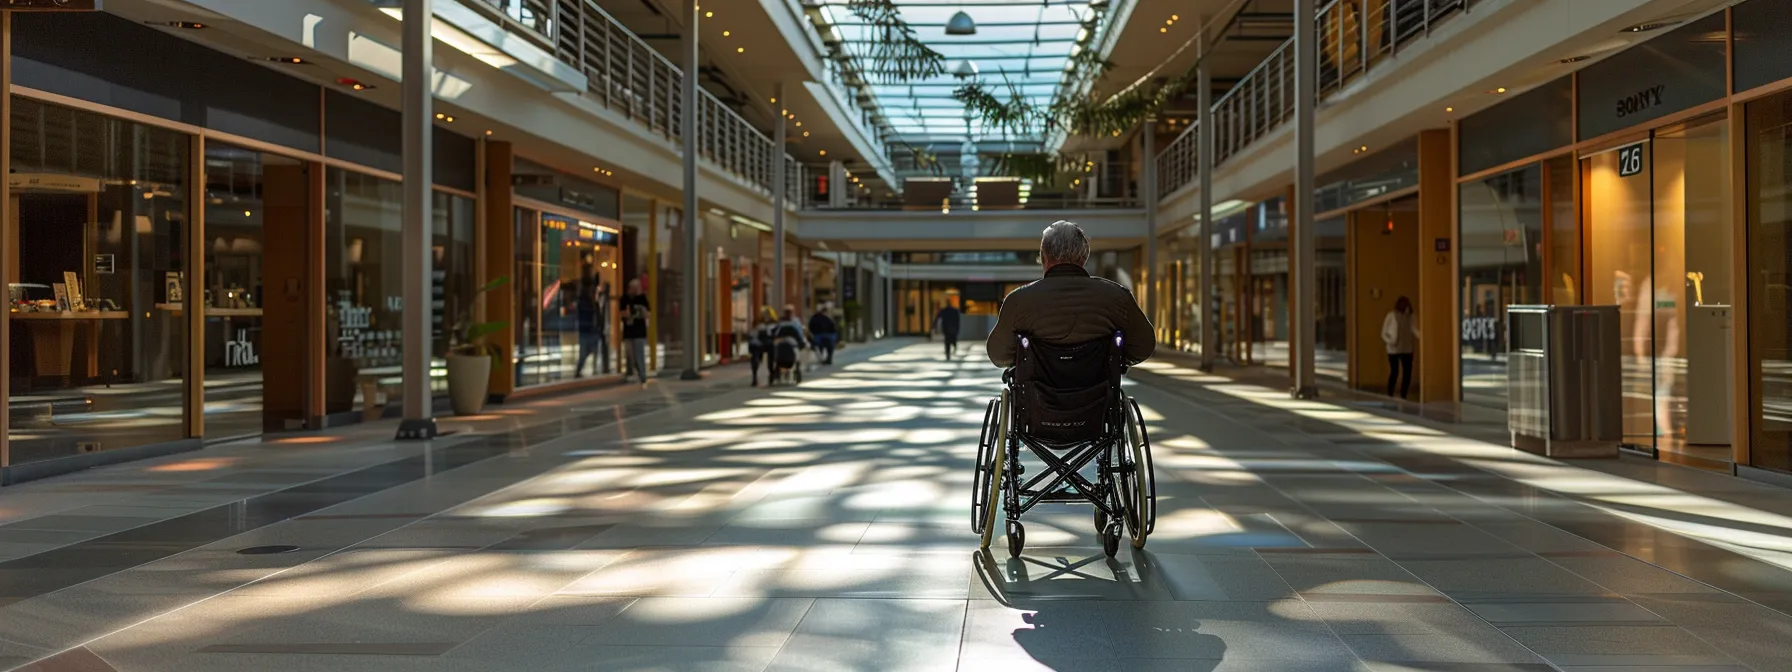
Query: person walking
point(788, 346)
point(826, 334)
point(1400, 334)
point(761, 342)
point(634, 309)
point(946, 322)
point(594, 322)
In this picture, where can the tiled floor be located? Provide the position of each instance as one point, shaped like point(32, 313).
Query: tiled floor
point(824, 527)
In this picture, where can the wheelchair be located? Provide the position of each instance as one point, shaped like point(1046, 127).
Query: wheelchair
point(1065, 406)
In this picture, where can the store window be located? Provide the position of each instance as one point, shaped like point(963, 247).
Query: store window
point(566, 269)
point(1770, 281)
point(101, 208)
point(1501, 241)
point(1658, 223)
point(363, 292)
point(254, 201)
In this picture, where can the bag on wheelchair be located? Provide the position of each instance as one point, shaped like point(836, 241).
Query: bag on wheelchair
point(1066, 392)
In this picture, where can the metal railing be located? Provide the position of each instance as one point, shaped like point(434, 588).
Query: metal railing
point(627, 76)
point(1354, 36)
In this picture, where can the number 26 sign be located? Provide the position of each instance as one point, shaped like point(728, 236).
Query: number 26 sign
point(1630, 160)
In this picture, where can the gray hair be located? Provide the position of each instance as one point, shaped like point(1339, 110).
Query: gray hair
point(1064, 243)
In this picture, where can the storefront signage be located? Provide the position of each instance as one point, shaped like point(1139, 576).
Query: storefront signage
point(1641, 100)
point(240, 352)
point(1630, 160)
point(104, 264)
point(52, 182)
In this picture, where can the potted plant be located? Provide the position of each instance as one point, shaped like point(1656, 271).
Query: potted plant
point(471, 358)
point(852, 310)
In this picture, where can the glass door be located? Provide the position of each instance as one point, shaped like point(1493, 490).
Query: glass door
point(1658, 234)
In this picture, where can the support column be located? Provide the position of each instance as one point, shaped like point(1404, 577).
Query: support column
point(419, 421)
point(1301, 224)
point(9, 232)
point(1436, 363)
point(692, 221)
point(1204, 171)
point(499, 251)
point(779, 135)
point(1148, 170)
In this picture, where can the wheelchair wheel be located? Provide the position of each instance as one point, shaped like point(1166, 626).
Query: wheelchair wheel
point(1110, 540)
point(986, 478)
point(997, 479)
point(1017, 538)
point(1101, 521)
point(1142, 512)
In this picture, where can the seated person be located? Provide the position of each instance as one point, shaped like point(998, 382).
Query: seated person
point(1067, 306)
point(789, 342)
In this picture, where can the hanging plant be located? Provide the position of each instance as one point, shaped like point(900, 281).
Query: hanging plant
point(894, 53)
point(1016, 115)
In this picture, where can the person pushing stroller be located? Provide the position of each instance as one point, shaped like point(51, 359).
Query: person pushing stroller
point(788, 343)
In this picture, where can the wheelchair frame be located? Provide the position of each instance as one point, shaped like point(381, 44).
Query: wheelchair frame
point(1124, 493)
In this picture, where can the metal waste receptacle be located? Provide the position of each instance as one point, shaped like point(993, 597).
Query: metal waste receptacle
point(1564, 380)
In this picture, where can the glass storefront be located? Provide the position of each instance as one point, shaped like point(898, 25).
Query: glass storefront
point(1658, 226)
point(101, 207)
point(566, 271)
point(1501, 239)
point(1769, 356)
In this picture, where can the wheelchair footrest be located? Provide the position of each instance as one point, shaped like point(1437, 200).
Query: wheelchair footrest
point(1058, 496)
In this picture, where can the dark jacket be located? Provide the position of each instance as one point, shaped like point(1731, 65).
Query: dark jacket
point(1068, 307)
point(820, 323)
point(947, 322)
point(634, 315)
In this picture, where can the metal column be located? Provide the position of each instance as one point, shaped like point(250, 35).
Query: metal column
point(779, 138)
point(1301, 317)
point(419, 421)
point(1148, 166)
point(8, 224)
point(693, 269)
point(1204, 171)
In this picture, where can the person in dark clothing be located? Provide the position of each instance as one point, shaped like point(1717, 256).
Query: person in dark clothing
point(788, 347)
point(760, 344)
point(825, 333)
point(634, 329)
point(594, 322)
point(946, 322)
point(1067, 306)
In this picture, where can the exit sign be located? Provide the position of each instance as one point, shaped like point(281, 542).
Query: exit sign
point(52, 5)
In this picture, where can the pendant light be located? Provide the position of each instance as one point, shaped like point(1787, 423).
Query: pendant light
point(961, 24)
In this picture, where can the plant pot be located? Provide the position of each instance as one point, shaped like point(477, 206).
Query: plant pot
point(469, 381)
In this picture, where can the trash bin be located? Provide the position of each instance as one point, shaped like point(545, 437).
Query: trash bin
point(1564, 380)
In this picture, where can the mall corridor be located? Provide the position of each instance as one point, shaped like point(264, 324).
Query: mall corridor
point(712, 526)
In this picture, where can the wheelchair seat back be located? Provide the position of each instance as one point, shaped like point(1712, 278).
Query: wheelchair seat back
point(1066, 394)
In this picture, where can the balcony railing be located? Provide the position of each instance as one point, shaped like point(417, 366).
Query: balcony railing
point(628, 76)
point(1354, 36)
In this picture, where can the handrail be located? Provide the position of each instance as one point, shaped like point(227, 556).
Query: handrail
point(627, 75)
point(1354, 37)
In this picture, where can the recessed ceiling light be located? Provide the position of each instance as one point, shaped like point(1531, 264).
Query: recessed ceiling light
point(1163, 30)
point(822, 153)
point(1174, 17)
point(740, 50)
point(774, 101)
point(709, 15)
point(188, 25)
point(439, 115)
point(805, 134)
point(294, 60)
point(799, 124)
point(1646, 27)
point(353, 83)
point(726, 33)
point(1574, 59)
point(1449, 109)
point(488, 131)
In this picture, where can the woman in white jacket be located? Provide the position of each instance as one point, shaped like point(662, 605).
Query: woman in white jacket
point(1400, 334)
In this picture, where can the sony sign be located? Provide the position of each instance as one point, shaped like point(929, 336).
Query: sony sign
point(51, 5)
point(1641, 100)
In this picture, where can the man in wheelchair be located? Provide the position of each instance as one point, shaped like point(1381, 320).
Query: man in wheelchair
point(1066, 340)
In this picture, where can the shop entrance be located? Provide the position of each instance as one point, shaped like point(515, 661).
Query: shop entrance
point(1657, 216)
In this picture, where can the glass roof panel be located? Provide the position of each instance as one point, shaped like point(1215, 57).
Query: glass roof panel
point(1021, 46)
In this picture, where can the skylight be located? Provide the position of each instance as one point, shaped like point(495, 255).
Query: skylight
point(1022, 46)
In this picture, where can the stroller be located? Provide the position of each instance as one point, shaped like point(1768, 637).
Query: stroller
point(786, 352)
